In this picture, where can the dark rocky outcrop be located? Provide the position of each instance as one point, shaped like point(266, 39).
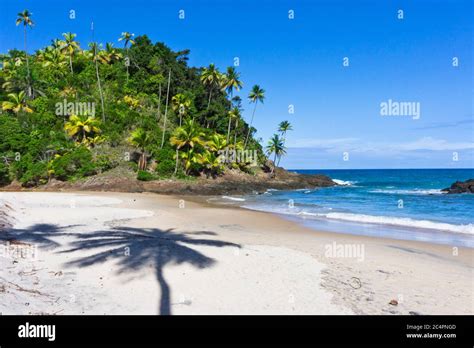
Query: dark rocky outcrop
point(231, 183)
point(461, 187)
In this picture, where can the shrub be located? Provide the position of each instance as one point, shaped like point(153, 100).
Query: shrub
point(4, 175)
point(73, 165)
point(145, 176)
point(35, 175)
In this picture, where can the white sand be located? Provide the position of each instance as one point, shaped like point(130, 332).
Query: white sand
point(220, 278)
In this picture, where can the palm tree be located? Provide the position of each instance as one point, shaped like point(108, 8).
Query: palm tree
point(230, 81)
point(186, 137)
point(181, 104)
point(82, 128)
point(216, 142)
point(233, 113)
point(166, 109)
point(96, 57)
point(210, 79)
point(275, 146)
point(69, 47)
point(127, 38)
point(25, 19)
point(141, 139)
point(255, 96)
point(17, 103)
point(112, 55)
point(211, 163)
point(284, 127)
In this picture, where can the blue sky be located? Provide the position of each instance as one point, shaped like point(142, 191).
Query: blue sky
point(300, 62)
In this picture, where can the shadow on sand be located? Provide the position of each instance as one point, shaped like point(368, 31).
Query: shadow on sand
point(137, 248)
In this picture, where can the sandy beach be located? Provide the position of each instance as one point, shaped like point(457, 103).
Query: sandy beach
point(138, 253)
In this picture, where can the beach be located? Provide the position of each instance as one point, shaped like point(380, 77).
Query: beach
point(143, 253)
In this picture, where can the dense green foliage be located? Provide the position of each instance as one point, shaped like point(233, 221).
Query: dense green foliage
point(66, 108)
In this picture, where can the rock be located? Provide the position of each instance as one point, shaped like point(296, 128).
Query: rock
point(461, 187)
point(393, 302)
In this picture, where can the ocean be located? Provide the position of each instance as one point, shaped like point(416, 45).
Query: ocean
point(394, 203)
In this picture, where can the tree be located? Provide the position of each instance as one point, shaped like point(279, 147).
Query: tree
point(127, 38)
point(96, 58)
point(284, 127)
point(25, 19)
point(166, 109)
point(275, 146)
point(111, 54)
point(69, 47)
point(141, 139)
point(230, 82)
point(210, 79)
point(255, 96)
point(186, 138)
point(83, 129)
point(17, 103)
point(181, 105)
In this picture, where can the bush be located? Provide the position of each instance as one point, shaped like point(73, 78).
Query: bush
point(36, 174)
point(145, 176)
point(4, 175)
point(73, 165)
point(165, 162)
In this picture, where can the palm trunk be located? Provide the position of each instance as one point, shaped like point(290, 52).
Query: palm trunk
point(274, 163)
point(159, 103)
point(284, 140)
point(209, 101)
point(70, 64)
point(100, 90)
point(235, 132)
point(128, 63)
point(228, 130)
point(166, 109)
point(177, 151)
point(28, 78)
point(250, 126)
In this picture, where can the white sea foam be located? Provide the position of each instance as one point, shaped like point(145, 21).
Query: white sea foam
point(344, 183)
point(238, 199)
point(409, 192)
point(395, 221)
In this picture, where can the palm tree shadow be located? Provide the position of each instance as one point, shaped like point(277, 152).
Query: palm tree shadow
point(41, 235)
point(135, 249)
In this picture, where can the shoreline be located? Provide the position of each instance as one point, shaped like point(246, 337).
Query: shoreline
point(424, 278)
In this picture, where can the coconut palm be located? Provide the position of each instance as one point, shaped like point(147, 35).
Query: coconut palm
point(141, 139)
point(17, 103)
point(181, 104)
point(234, 113)
point(275, 146)
point(127, 38)
point(82, 128)
point(96, 58)
point(25, 19)
point(111, 54)
point(211, 163)
point(210, 79)
point(166, 110)
point(284, 127)
point(216, 142)
point(70, 47)
point(255, 96)
point(186, 137)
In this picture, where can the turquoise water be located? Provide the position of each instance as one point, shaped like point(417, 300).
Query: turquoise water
point(402, 204)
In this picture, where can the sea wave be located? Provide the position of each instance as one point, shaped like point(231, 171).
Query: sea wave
point(238, 199)
point(409, 192)
point(395, 221)
point(344, 182)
